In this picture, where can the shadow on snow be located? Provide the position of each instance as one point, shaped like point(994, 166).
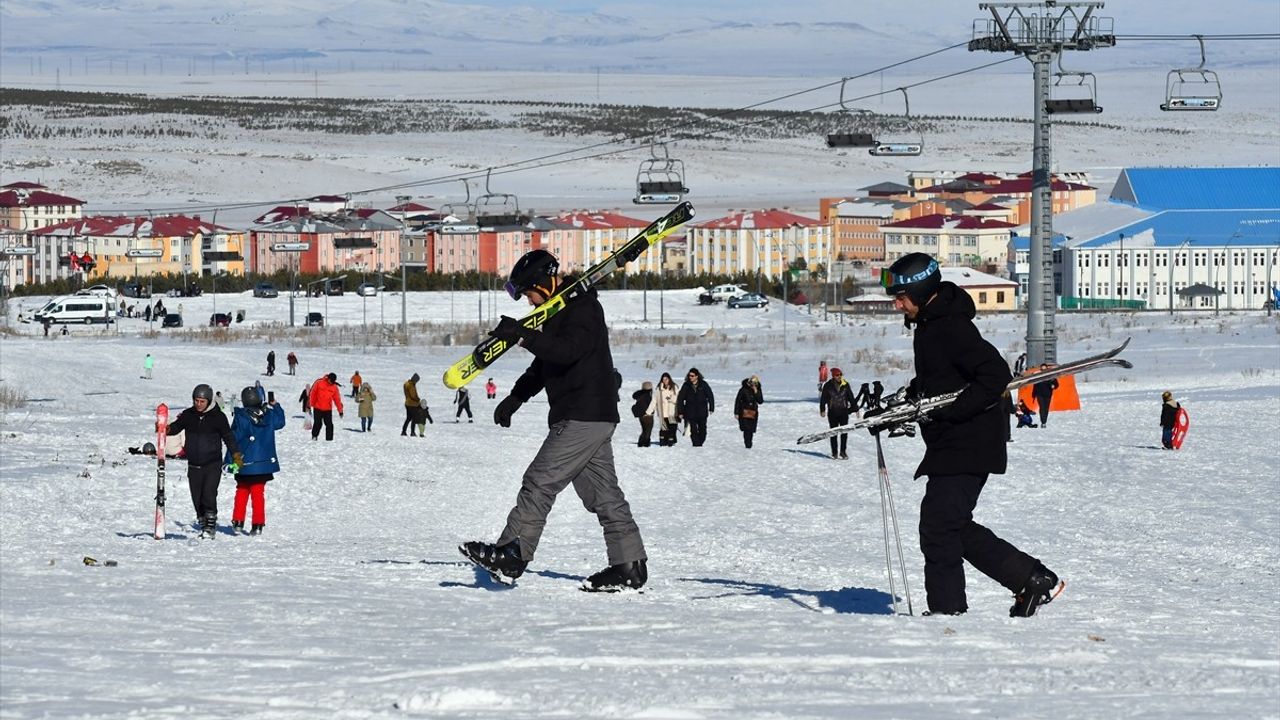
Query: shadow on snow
point(851, 600)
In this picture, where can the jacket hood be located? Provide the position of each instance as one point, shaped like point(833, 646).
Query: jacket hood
point(257, 415)
point(950, 301)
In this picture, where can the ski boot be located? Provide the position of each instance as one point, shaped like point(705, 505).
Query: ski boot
point(502, 562)
point(257, 528)
point(210, 527)
point(623, 576)
point(1040, 589)
point(237, 527)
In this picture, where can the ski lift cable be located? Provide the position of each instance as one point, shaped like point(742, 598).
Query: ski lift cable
point(536, 162)
point(557, 158)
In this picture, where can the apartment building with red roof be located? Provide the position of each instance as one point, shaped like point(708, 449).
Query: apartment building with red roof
point(766, 241)
point(28, 205)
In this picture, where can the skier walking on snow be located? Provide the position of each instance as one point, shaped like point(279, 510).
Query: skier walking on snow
point(254, 426)
point(207, 430)
point(326, 395)
point(836, 404)
point(572, 362)
point(463, 400)
point(964, 442)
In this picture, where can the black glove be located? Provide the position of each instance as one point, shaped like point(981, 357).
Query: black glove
point(508, 407)
point(509, 330)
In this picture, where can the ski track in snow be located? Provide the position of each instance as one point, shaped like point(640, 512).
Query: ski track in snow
point(768, 596)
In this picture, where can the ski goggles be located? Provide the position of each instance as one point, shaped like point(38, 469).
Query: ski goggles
point(515, 292)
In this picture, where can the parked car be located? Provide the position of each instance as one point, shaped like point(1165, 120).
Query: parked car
point(724, 292)
point(265, 290)
point(171, 320)
point(334, 287)
point(706, 298)
point(314, 319)
point(367, 290)
point(103, 291)
point(750, 300)
point(220, 320)
point(135, 290)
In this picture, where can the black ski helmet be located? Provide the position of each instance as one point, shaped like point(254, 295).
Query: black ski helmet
point(533, 271)
point(202, 391)
point(915, 274)
point(148, 449)
point(249, 397)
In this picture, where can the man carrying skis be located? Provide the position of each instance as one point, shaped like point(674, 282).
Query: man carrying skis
point(572, 362)
point(964, 442)
point(207, 430)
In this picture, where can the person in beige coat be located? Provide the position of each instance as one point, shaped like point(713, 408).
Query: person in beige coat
point(663, 409)
point(365, 398)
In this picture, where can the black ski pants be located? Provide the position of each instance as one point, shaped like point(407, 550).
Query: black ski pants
point(697, 431)
point(949, 536)
point(321, 416)
point(646, 431)
point(1043, 400)
point(842, 440)
point(204, 480)
point(463, 407)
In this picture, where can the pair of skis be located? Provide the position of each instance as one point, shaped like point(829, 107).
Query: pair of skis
point(488, 351)
point(900, 412)
point(162, 432)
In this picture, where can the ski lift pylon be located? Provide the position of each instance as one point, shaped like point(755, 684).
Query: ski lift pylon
point(900, 148)
point(660, 179)
point(1201, 92)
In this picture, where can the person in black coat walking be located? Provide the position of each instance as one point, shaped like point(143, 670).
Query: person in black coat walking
point(207, 430)
point(746, 408)
point(694, 405)
point(964, 442)
point(573, 364)
point(1043, 393)
point(640, 409)
point(836, 404)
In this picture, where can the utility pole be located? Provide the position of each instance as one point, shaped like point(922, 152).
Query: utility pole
point(1041, 31)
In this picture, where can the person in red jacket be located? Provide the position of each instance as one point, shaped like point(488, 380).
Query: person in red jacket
point(325, 396)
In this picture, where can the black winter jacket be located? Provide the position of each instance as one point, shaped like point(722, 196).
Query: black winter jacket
point(967, 436)
point(1169, 414)
point(572, 362)
point(206, 432)
point(695, 401)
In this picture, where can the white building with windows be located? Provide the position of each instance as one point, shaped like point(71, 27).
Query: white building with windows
point(1170, 229)
point(765, 241)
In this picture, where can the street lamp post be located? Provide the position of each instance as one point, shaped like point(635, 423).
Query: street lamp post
point(293, 248)
point(402, 201)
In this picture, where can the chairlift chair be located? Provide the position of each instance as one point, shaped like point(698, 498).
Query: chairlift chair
point(1063, 104)
point(461, 210)
point(660, 180)
point(849, 139)
point(900, 148)
point(496, 208)
point(1201, 91)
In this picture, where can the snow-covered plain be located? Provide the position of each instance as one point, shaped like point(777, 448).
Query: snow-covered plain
point(768, 596)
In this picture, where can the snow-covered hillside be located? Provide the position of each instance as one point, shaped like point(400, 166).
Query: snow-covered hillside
point(768, 596)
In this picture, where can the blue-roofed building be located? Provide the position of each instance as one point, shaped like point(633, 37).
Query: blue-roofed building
point(1217, 227)
point(1187, 188)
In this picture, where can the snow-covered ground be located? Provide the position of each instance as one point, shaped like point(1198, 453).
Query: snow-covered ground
point(767, 598)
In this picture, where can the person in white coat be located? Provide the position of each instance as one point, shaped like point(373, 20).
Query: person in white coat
point(663, 409)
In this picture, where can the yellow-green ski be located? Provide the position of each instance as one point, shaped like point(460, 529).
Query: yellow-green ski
point(469, 367)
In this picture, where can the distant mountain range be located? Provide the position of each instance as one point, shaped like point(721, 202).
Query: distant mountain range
point(693, 38)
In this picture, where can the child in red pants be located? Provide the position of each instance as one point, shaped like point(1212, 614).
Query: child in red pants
point(254, 426)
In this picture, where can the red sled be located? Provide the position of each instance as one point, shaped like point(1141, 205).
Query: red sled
point(1180, 425)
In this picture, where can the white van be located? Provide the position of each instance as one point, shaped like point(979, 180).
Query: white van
point(724, 292)
point(76, 309)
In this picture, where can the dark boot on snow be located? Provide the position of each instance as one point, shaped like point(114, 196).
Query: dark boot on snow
point(1039, 590)
point(503, 562)
point(210, 526)
point(623, 576)
point(257, 528)
point(237, 526)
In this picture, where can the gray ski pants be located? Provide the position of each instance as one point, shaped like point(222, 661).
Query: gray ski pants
point(580, 453)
